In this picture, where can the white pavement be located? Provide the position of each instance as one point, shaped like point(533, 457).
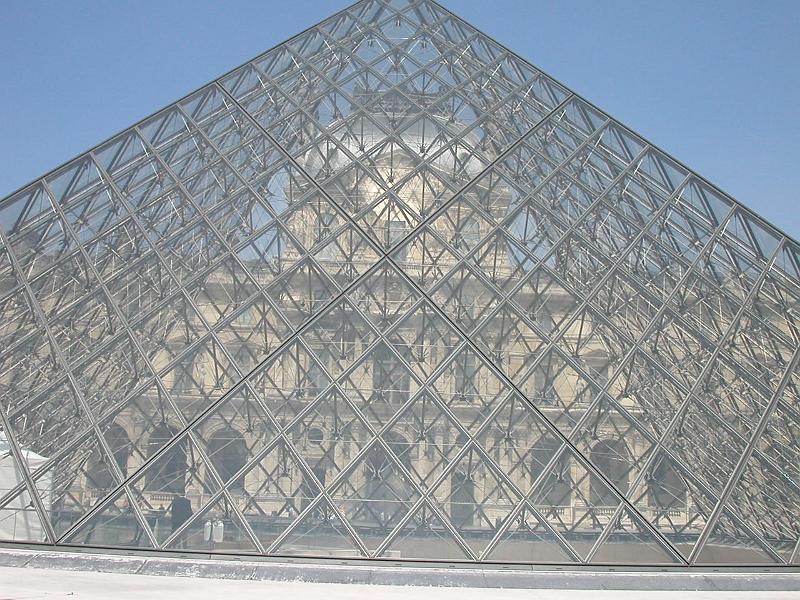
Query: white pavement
point(35, 584)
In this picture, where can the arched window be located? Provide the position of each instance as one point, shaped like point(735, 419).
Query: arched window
point(168, 473)
point(386, 491)
point(228, 453)
point(465, 386)
point(100, 474)
point(390, 379)
point(316, 436)
point(462, 499)
point(555, 489)
point(396, 231)
point(309, 490)
point(317, 369)
point(462, 490)
point(319, 455)
point(609, 456)
point(667, 490)
point(468, 234)
point(327, 223)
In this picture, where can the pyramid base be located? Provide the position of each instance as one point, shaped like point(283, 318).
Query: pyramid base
point(402, 573)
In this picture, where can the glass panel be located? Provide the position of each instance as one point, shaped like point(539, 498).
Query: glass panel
point(68, 486)
point(631, 541)
point(425, 535)
point(118, 524)
point(730, 543)
point(19, 519)
point(475, 498)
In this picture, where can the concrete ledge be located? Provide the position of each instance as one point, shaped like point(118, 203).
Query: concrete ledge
point(381, 574)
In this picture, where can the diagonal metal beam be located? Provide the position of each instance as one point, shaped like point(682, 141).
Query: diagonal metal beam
point(745, 457)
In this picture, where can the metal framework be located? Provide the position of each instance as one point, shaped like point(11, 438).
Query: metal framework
point(390, 291)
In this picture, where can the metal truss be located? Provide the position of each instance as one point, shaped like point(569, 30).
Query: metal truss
point(389, 291)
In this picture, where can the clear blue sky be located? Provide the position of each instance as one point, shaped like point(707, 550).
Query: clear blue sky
point(715, 83)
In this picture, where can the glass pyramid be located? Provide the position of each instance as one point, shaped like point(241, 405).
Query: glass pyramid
point(389, 291)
